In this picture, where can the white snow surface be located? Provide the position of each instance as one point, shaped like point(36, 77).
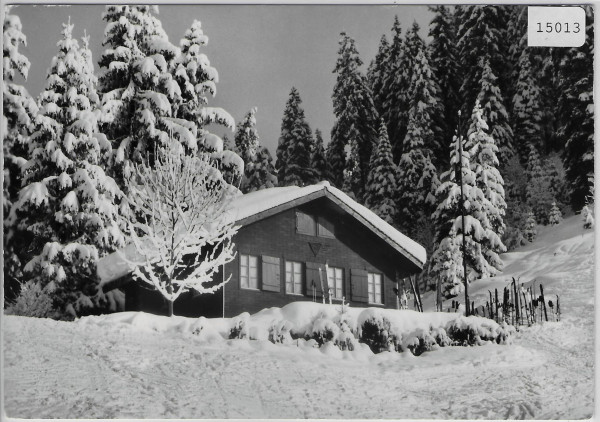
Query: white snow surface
point(256, 202)
point(137, 365)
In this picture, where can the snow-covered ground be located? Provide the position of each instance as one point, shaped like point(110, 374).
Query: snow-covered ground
point(139, 366)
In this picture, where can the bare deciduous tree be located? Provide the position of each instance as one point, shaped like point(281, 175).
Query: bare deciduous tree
point(183, 228)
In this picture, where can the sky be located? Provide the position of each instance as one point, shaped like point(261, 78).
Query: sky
point(260, 51)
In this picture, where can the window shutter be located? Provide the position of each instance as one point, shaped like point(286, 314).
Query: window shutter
point(306, 224)
point(271, 273)
point(312, 275)
point(324, 228)
point(358, 284)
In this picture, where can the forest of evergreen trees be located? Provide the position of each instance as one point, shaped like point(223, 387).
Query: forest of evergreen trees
point(523, 117)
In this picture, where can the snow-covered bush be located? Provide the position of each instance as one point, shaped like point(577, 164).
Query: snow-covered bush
point(239, 327)
point(279, 332)
point(469, 331)
point(377, 332)
point(33, 301)
point(419, 341)
point(324, 330)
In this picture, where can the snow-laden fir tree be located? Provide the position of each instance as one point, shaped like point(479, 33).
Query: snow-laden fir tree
point(381, 182)
point(588, 217)
point(184, 235)
point(319, 160)
point(197, 80)
point(395, 87)
point(448, 222)
point(417, 177)
point(262, 173)
point(295, 145)
point(378, 72)
point(576, 111)
point(444, 65)
point(530, 230)
point(527, 112)
point(554, 215)
point(355, 115)
point(484, 161)
point(352, 182)
point(446, 264)
point(18, 113)
point(480, 38)
point(258, 163)
point(494, 113)
point(538, 192)
point(247, 146)
point(68, 206)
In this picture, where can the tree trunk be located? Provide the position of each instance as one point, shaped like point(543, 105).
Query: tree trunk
point(169, 302)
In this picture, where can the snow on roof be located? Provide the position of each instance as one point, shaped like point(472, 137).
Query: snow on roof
point(263, 200)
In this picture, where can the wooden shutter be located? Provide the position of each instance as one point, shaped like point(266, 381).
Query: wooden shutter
point(271, 273)
point(306, 224)
point(324, 228)
point(359, 286)
point(312, 275)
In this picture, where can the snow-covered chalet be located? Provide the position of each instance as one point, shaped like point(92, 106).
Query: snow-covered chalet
point(294, 243)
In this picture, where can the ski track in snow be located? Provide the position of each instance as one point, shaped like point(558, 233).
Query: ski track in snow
point(64, 370)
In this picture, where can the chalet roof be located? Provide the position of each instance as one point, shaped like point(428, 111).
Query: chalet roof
point(261, 204)
point(257, 205)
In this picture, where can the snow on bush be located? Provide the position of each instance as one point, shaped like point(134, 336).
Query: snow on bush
point(324, 330)
point(279, 332)
point(32, 301)
point(377, 332)
point(239, 328)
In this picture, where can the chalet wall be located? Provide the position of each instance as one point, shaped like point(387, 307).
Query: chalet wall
point(353, 247)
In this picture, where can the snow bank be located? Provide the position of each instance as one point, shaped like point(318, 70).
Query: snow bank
point(334, 329)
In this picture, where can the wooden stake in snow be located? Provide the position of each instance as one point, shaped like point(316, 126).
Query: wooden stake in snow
point(543, 302)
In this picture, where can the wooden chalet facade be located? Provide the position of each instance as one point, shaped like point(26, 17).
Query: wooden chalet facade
point(298, 244)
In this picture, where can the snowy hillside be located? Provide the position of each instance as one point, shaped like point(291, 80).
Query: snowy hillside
point(134, 365)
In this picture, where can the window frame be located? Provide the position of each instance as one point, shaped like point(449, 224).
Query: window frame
point(335, 288)
point(248, 275)
point(293, 281)
point(371, 288)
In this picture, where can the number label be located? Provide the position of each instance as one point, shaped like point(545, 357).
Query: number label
point(555, 26)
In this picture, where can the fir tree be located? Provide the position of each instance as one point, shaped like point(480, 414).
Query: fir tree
point(588, 218)
point(527, 110)
point(378, 72)
point(197, 80)
point(295, 145)
point(555, 216)
point(576, 111)
point(18, 114)
point(355, 115)
point(353, 177)
point(494, 113)
point(319, 162)
point(538, 193)
point(262, 172)
point(68, 205)
point(395, 87)
point(444, 63)
point(258, 164)
point(381, 182)
point(138, 90)
point(483, 151)
point(530, 230)
point(417, 177)
point(449, 225)
point(481, 38)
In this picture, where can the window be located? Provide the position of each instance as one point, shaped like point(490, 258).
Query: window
point(375, 287)
point(335, 279)
point(293, 277)
point(324, 228)
point(306, 224)
point(248, 272)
